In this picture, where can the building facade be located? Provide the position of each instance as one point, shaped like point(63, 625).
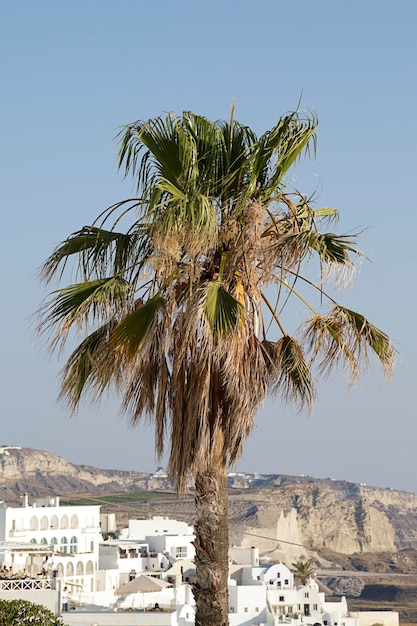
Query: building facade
point(68, 538)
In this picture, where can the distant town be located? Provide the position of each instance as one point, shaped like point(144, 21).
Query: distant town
point(78, 564)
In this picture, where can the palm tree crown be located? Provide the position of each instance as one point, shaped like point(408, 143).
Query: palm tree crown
point(173, 287)
point(303, 570)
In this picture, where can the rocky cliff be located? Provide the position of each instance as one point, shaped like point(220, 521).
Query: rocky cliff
point(39, 473)
point(328, 516)
point(281, 515)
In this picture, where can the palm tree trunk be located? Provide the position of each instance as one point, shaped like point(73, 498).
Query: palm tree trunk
point(212, 547)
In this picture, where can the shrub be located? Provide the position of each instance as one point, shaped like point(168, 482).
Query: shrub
point(17, 612)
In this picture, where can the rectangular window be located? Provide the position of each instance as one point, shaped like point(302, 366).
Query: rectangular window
point(314, 607)
point(281, 598)
point(245, 609)
point(286, 581)
point(306, 594)
point(181, 552)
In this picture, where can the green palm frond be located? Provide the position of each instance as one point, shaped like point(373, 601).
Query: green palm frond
point(193, 217)
point(222, 310)
point(97, 249)
point(329, 213)
point(332, 248)
point(88, 239)
point(77, 304)
point(237, 140)
point(171, 190)
point(177, 174)
point(178, 149)
point(275, 152)
point(202, 150)
point(158, 140)
point(132, 331)
point(292, 136)
point(88, 368)
point(365, 334)
point(325, 337)
point(308, 218)
point(346, 337)
point(292, 240)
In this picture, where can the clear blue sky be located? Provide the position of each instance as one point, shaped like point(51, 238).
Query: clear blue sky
point(73, 72)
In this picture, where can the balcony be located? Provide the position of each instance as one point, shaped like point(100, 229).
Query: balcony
point(24, 584)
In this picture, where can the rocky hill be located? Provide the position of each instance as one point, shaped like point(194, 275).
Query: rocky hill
point(39, 473)
point(279, 514)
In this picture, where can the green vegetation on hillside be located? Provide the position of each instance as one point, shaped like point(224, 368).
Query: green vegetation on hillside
point(116, 498)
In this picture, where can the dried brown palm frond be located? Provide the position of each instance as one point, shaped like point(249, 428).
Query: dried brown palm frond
point(291, 376)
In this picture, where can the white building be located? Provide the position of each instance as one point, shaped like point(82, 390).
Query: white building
point(160, 539)
point(157, 526)
point(94, 569)
point(267, 595)
point(68, 535)
point(149, 546)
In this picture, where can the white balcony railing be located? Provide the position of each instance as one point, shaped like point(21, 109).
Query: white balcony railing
point(24, 584)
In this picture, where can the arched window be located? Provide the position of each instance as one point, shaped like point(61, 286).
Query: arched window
point(74, 521)
point(64, 544)
point(34, 523)
point(54, 541)
point(33, 540)
point(44, 541)
point(54, 522)
point(89, 568)
point(60, 570)
point(80, 569)
point(44, 523)
point(73, 545)
point(69, 570)
point(64, 521)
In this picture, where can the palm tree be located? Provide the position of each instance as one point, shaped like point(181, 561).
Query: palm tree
point(173, 293)
point(303, 570)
